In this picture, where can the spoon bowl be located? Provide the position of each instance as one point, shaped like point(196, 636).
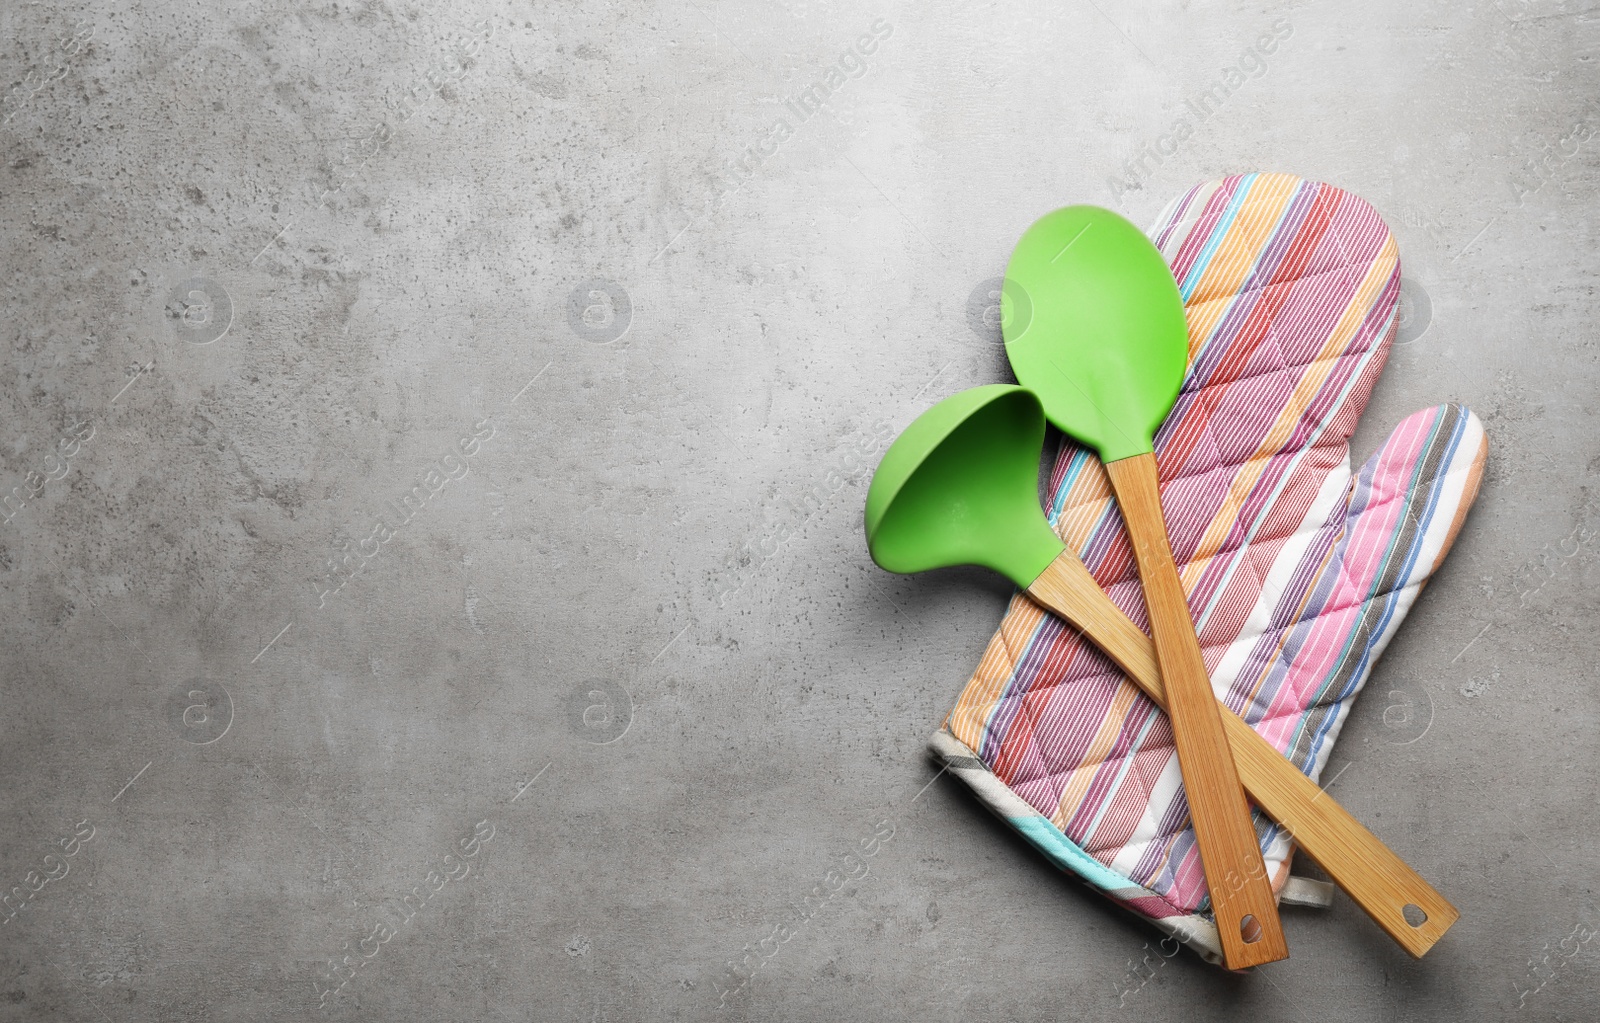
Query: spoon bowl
point(1107, 344)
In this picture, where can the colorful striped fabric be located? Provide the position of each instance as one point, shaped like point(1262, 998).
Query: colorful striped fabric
point(1297, 573)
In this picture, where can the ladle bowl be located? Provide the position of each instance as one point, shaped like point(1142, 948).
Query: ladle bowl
point(961, 487)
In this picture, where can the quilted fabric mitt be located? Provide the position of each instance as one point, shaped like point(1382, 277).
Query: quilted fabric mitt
point(1297, 573)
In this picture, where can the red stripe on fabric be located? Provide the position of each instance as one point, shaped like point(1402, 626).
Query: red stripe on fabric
point(1257, 326)
point(1125, 810)
point(1238, 350)
point(1102, 786)
point(1070, 729)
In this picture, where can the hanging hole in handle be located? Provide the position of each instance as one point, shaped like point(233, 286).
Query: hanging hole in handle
point(1414, 915)
point(1250, 929)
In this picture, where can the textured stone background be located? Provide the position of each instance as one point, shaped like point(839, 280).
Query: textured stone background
point(669, 688)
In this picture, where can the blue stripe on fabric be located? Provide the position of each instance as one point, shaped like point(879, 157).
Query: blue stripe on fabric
point(1061, 850)
point(1109, 799)
point(994, 731)
point(1058, 501)
point(1279, 242)
point(1393, 596)
point(1377, 634)
point(1218, 233)
point(1253, 709)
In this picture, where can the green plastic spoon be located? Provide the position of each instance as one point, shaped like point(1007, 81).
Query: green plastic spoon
point(1105, 349)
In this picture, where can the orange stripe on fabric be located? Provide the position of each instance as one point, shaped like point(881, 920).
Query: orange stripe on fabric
point(1306, 390)
point(1231, 264)
point(1085, 505)
point(971, 714)
point(1242, 249)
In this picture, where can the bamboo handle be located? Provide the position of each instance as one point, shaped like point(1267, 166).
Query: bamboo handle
point(1230, 853)
point(1380, 882)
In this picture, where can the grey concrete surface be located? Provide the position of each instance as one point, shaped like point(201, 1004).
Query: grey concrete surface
point(615, 691)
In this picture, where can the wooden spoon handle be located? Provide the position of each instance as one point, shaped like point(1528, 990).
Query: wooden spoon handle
point(1380, 882)
point(1241, 891)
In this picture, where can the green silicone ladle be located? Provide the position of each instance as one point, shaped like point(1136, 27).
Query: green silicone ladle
point(960, 487)
point(1105, 349)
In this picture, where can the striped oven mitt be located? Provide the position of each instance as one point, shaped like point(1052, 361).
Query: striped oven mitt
point(1297, 572)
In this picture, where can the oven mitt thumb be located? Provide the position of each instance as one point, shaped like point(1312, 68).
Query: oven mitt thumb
point(1297, 571)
